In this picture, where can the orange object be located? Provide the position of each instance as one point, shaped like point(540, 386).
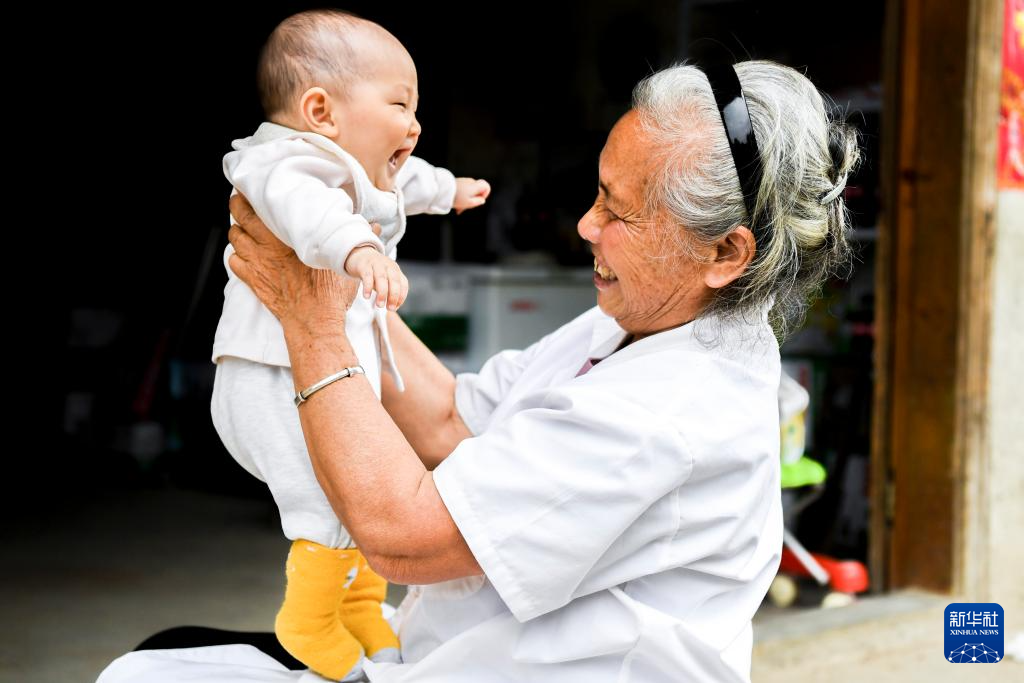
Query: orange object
point(1011, 100)
point(845, 576)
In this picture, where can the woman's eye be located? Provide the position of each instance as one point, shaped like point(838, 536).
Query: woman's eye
point(599, 203)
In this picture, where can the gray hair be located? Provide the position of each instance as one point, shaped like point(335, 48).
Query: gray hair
point(307, 49)
point(805, 155)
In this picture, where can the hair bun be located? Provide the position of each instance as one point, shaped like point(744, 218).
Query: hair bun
point(844, 148)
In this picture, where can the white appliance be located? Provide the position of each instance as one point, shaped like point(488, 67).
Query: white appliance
point(510, 308)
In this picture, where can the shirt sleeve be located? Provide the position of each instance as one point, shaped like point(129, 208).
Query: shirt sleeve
point(296, 189)
point(548, 497)
point(425, 188)
point(477, 394)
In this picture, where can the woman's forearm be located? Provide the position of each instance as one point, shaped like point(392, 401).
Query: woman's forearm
point(371, 475)
point(425, 411)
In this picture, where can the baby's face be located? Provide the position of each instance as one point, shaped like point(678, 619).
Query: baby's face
point(378, 120)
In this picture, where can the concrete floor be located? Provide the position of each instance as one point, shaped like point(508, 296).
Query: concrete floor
point(82, 585)
point(81, 588)
point(881, 639)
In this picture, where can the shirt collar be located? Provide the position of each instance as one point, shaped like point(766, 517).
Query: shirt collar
point(605, 336)
point(270, 131)
point(273, 131)
point(747, 341)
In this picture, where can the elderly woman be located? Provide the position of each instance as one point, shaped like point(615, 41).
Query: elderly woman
point(603, 505)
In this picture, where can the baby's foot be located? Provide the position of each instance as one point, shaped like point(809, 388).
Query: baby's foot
point(360, 611)
point(307, 624)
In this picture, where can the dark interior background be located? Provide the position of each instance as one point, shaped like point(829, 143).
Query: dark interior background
point(522, 94)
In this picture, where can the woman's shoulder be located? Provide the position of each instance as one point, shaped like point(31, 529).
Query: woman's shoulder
point(711, 391)
point(696, 358)
point(679, 373)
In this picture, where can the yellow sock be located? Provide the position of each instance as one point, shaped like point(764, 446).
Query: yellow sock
point(360, 611)
point(307, 624)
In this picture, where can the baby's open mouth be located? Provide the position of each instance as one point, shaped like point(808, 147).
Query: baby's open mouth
point(398, 158)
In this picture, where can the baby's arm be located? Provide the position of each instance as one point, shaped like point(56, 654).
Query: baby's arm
point(425, 188)
point(294, 188)
point(431, 189)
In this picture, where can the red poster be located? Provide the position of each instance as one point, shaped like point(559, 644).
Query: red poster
point(1011, 100)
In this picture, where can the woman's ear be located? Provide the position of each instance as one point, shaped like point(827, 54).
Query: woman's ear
point(318, 112)
point(730, 256)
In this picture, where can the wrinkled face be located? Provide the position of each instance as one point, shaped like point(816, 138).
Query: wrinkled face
point(377, 121)
point(644, 287)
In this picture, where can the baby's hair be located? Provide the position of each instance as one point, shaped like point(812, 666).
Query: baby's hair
point(306, 49)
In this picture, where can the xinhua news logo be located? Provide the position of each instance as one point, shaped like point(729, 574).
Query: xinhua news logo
point(974, 633)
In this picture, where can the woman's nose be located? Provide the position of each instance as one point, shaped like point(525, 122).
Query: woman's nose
point(588, 228)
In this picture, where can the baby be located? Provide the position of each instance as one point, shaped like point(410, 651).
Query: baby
point(334, 157)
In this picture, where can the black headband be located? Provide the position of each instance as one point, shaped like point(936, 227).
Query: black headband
point(725, 84)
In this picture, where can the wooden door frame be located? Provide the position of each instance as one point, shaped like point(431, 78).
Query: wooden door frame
point(941, 73)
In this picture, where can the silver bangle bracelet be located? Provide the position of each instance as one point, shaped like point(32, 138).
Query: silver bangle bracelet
point(301, 397)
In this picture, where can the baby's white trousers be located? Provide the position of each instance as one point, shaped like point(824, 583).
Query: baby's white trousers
point(255, 416)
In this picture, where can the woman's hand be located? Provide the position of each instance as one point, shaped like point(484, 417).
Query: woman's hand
point(295, 293)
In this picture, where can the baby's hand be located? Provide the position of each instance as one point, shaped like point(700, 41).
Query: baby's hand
point(380, 273)
point(470, 193)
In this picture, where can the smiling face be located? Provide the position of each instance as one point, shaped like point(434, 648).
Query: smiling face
point(377, 120)
point(644, 288)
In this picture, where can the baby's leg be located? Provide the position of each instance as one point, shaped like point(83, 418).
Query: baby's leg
point(254, 413)
point(255, 416)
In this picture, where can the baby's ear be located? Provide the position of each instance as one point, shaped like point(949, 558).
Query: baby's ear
point(318, 113)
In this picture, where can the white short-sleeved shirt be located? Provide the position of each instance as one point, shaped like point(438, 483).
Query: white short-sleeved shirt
point(628, 520)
